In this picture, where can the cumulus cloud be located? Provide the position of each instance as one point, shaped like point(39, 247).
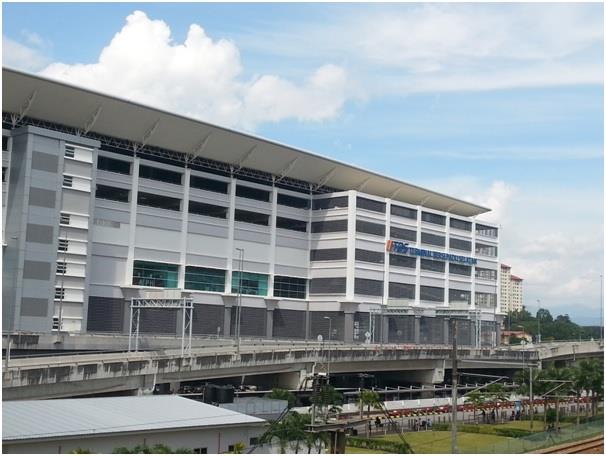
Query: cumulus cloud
point(559, 262)
point(201, 77)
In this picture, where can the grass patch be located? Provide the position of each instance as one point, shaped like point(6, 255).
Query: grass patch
point(354, 450)
point(440, 442)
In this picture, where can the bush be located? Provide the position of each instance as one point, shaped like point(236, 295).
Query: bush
point(379, 444)
point(511, 432)
point(441, 427)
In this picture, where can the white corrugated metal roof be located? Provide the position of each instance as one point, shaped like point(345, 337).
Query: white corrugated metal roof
point(62, 103)
point(23, 420)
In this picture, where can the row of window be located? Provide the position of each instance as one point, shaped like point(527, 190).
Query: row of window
point(162, 275)
point(196, 207)
point(204, 183)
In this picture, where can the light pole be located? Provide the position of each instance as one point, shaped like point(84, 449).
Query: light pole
point(539, 315)
point(601, 307)
point(239, 305)
point(329, 348)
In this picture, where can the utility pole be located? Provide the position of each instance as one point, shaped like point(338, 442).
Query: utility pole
point(455, 374)
point(601, 308)
point(531, 399)
point(539, 321)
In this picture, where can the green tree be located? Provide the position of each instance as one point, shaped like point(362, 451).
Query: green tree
point(496, 393)
point(328, 400)
point(369, 399)
point(159, 448)
point(80, 451)
point(591, 379)
point(477, 400)
point(283, 394)
point(239, 448)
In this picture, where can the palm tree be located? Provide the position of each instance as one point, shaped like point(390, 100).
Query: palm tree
point(283, 394)
point(329, 400)
point(496, 393)
point(370, 399)
point(476, 399)
point(591, 378)
point(239, 448)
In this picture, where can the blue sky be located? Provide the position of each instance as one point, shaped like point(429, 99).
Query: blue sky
point(501, 104)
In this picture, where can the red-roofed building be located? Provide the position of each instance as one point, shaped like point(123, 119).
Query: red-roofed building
point(511, 290)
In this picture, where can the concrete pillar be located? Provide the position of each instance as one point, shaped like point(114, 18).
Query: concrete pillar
point(417, 329)
point(385, 329)
point(348, 327)
point(269, 324)
point(498, 333)
point(446, 331)
point(227, 322)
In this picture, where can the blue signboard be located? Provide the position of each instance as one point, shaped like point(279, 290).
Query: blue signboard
point(402, 248)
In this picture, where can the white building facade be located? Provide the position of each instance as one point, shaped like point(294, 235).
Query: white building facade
point(107, 200)
point(512, 297)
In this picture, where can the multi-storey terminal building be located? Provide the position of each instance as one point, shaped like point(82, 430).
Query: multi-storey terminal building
point(106, 200)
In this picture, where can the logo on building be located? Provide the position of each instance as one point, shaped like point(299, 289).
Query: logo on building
point(402, 248)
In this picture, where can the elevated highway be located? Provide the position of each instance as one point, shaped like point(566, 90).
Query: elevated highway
point(43, 377)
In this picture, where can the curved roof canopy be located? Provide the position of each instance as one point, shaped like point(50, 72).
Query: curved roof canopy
point(58, 102)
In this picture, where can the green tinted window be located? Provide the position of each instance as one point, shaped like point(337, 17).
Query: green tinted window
point(148, 274)
point(204, 279)
point(252, 284)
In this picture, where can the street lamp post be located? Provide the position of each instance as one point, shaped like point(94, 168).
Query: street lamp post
point(239, 305)
point(539, 322)
point(329, 347)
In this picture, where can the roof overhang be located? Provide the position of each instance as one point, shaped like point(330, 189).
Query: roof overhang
point(54, 101)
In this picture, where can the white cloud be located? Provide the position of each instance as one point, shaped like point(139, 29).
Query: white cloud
point(453, 47)
point(20, 56)
point(552, 237)
point(201, 78)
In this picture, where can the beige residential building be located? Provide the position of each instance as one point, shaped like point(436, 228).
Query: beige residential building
point(511, 290)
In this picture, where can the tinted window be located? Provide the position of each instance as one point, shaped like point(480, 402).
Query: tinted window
point(252, 284)
point(370, 256)
point(204, 279)
point(252, 193)
point(486, 300)
point(324, 285)
point(159, 201)
point(329, 226)
point(290, 287)
point(291, 224)
point(460, 244)
point(401, 290)
point(328, 254)
point(158, 174)
point(370, 205)
point(209, 210)
point(486, 274)
point(460, 224)
point(459, 296)
point(148, 274)
point(5, 143)
point(293, 201)
point(433, 218)
point(486, 230)
point(402, 261)
point(368, 287)
point(370, 228)
point(402, 233)
point(112, 165)
point(459, 269)
point(432, 294)
point(330, 203)
point(404, 212)
point(433, 239)
point(486, 250)
point(112, 193)
point(432, 265)
point(252, 217)
point(210, 185)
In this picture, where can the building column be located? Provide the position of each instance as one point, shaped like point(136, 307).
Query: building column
point(231, 215)
point(417, 329)
point(228, 302)
point(132, 227)
point(348, 328)
point(351, 245)
point(184, 230)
